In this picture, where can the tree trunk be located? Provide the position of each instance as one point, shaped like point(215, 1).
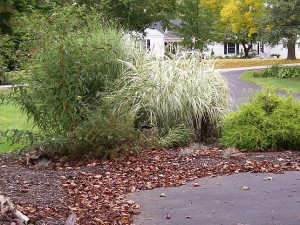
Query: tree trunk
point(291, 50)
point(246, 50)
point(247, 47)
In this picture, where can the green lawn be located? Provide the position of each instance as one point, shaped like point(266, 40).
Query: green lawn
point(292, 85)
point(12, 118)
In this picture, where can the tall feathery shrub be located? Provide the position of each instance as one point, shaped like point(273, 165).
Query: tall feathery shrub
point(77, 62)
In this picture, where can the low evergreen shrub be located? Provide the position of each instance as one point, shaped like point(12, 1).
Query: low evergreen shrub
point(269, 121)
point(268, 72)
point(289, 72)
point(279, 72)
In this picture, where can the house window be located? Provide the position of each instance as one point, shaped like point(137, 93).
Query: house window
point(148, 44)
point(261, 47)
point(231, 48)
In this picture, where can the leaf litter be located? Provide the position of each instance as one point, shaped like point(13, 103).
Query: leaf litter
point(96, 190)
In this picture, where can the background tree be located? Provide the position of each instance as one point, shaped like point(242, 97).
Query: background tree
point(282, 23)
point(13, 33)
point(238, 20)
point(137, 14)
point(6, 17)
point(196, 24)
point(16, 19)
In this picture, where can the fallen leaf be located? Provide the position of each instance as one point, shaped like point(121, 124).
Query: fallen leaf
point(162, 195)
point(168, 216)
point(130, 202)
point(24, 190)
point(196, 184)
point(245, 188)
point(268, 178)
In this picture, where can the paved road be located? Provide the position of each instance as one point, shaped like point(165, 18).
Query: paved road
point(222, 201)
point(240, 90)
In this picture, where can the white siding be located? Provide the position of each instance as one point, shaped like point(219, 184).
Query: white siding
point(217, 48)
point(280, 49)
point(156, 42)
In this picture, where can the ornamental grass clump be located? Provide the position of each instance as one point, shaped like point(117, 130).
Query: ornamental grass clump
point(175, 92)
point(268, 122)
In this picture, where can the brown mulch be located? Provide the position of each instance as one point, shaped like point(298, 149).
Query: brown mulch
point(96, 190)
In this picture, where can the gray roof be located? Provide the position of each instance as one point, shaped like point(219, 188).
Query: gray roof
point(169, 34)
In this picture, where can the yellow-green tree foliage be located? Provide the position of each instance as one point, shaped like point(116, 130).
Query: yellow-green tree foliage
point(242, 16)
point(237, 19)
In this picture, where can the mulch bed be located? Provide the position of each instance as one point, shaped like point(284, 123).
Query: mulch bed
point(96, 190)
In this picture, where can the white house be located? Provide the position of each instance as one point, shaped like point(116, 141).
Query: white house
point(160, 41)
point(264, 50)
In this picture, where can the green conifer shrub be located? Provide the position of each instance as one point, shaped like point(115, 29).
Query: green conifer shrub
point(269, 122)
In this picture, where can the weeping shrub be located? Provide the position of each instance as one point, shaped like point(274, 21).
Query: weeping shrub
point(269, 121)
point(172, 92)
point(78, 61)
point(105, 135)
point(175, 137)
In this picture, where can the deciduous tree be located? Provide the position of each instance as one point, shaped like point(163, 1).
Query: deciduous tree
point(238, 20)
point(137, 14)
point(196, 26)
point(283, 23)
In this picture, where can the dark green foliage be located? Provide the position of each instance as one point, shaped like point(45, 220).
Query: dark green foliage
point(269, 121)
point(15, 44)
point(136, 14)
point(279, 72)
point(6, 15)
point(23, 5)
point(13, 51)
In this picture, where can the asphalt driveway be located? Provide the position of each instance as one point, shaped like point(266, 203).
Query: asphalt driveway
point(240, 199)
point(239, 90)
